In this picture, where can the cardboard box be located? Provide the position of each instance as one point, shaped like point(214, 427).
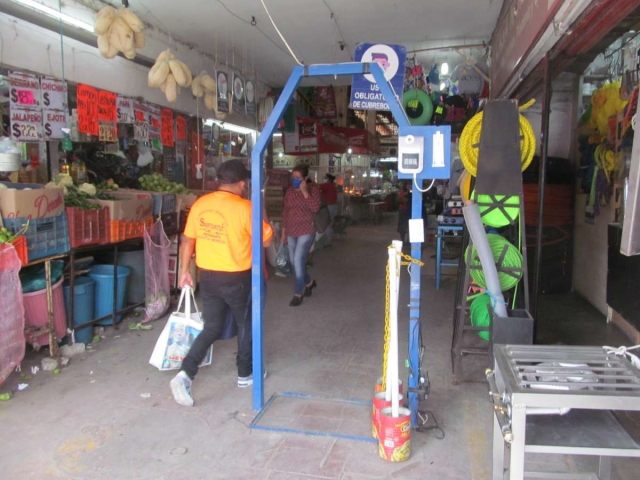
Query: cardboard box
point(39, 202)
point(127, 207)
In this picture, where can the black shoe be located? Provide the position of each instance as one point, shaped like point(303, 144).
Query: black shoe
point(308, 291)
point(295, 301)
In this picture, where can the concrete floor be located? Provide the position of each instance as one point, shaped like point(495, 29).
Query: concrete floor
point(110, 415)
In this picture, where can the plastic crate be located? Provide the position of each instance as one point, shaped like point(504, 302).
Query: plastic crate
point(45, 236)
point(20, 244)
point(88, 227)
point(119, 231)
point(163, 203)
point(170, 223)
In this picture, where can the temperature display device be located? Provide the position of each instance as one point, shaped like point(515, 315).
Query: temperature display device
point(411, 154)
point(424, 152)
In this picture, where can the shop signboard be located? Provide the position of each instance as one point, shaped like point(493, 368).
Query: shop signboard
point(222, 86)
point(167, 128)
point(87, 102)
point(250, 97)
point(54, 93)
point(53, 123)
point(24, 91)
point(26, 124)
point(365, 92)
point(124, 107)
point(313, 137)
point(519, 25)
point(238, 94)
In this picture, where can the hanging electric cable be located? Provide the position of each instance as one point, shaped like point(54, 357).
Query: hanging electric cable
point(281, 36)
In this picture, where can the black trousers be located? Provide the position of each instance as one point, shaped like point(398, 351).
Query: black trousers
point(219, 290)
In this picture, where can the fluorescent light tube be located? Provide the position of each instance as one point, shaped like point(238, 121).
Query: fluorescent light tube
point(55, 14)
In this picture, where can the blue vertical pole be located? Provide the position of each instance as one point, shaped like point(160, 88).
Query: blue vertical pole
point(257, 263)
point(414, 312)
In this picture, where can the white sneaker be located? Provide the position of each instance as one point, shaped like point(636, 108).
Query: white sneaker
point(244, 382)
point(181, 389)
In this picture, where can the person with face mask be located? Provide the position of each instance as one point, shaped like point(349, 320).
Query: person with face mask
point(218, 230)
point(301, 201)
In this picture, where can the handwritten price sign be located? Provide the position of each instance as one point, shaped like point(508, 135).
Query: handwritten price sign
point(26, 125)
point(54, 121)
point(167, 128)
point(181, 128)
point(125, 109)
point(141, 132)
point(107, 109)
point(88, 110)
point(24, 90)
point(54, 93)
point(108, 132)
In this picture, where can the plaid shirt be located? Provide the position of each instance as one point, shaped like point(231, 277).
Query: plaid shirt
point(298, 211)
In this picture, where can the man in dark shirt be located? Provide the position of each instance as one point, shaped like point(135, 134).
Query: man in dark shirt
point(329, 194)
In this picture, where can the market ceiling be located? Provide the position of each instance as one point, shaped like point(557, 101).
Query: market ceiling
point(319, 31)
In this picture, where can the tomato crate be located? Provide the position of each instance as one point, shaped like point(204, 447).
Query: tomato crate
point(170, 223)
point(119, 230)
point(45, 236)
point(88, 227)
point(20, 244)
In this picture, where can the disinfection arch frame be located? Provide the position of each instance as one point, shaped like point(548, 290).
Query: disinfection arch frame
point(257, 180)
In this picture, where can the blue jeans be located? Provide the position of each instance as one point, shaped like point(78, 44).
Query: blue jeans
point(333, 211)
point(298, 252)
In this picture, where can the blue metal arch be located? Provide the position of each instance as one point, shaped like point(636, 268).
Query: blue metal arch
point(257, 208)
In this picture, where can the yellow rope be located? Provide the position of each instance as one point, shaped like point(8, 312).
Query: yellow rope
point(387, 320)
point(470, 141)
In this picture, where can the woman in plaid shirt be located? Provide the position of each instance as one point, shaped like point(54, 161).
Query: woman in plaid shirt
point(301, 201)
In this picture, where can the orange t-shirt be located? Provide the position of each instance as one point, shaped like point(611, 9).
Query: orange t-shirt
point(220, 223)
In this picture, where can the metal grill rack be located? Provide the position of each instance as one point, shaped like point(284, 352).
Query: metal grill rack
point(561, 400)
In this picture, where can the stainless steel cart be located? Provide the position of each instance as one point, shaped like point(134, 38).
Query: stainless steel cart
point(561, 400)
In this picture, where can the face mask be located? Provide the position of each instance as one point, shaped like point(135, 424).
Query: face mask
point(296, 182)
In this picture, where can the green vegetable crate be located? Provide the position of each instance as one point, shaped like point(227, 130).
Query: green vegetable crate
point(88, 227)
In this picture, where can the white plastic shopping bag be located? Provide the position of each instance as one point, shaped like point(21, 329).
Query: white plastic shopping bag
point(178, 335)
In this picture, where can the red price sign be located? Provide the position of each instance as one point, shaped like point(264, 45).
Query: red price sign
point(140, 116)
point(167, 128)
point(107, 106)
point(156, 122)
point(88, 110)
point(181, 128)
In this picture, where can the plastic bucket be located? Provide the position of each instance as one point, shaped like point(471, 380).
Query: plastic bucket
point(135, 261)
point(35, 313)
point(83, 306)
point(103, 297)
point(379, 385)
point(394, 435)
point(379, 403)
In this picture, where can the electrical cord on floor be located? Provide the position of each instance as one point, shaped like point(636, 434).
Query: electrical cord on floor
point(424, 428)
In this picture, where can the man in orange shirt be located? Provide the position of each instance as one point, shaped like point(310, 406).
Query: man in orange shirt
point(218, 229)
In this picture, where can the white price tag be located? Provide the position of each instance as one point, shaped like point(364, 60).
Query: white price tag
point(53, 122)
point(26, 125)
point(54, 93)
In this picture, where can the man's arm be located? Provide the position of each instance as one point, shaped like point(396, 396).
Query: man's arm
point(187, 248)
